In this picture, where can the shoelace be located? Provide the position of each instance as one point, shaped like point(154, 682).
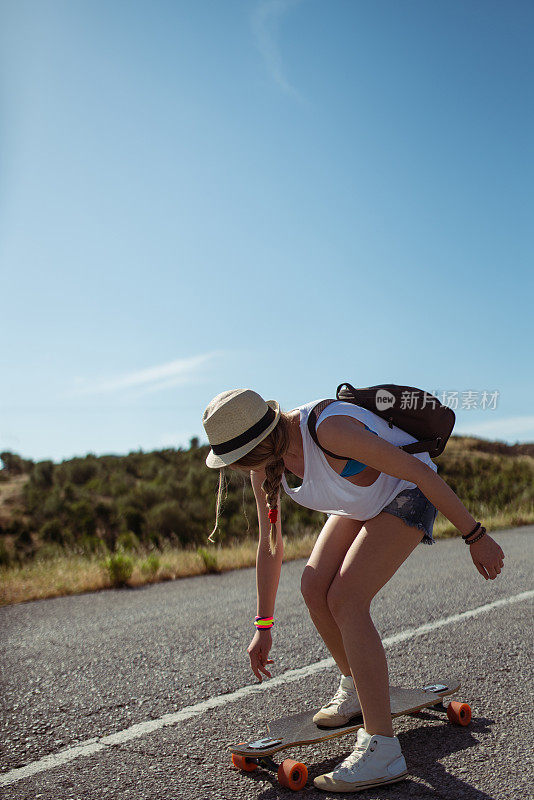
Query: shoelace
point(352, 759)
point(340, 696)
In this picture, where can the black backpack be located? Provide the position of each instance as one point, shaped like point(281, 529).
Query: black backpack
point(413, 410)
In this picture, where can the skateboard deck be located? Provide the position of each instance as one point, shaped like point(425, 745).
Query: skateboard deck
point(299, 729)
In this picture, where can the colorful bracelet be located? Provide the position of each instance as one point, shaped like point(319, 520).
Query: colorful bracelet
point(479, 536)
point(263, 622)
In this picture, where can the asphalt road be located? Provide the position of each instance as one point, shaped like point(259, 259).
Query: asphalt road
point(76, 670)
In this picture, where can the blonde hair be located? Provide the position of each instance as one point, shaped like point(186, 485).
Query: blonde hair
point(269, 453)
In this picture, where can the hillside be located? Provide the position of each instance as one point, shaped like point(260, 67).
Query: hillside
point(143, 501)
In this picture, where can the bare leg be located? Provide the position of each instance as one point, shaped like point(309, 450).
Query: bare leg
point(375, 555)
point(327, 556)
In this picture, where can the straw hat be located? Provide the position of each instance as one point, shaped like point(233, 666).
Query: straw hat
point(235, 422)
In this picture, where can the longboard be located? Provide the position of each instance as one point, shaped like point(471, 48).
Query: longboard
point(300, 729)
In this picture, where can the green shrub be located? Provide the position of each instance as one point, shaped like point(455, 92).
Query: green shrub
point(119, 483)
point(167, 521)
point(69, 492)
point(5, 555)
point(14, 464)
point(82, 517)
point(24, 544)
point(209, 559)
point(148, 469)
point(132, 518)
point(150, 565)
point(17, 527)
point(127, 540)
point(105, 511)
point(119, 568)
point(82, 471)
point(42, 474)
point(52, 531)
point(146, 495)
point(90, 544)
point(131, 465)
point(95, 485)
point(53, 502)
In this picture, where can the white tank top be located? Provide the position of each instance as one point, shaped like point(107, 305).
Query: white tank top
point(322, 489)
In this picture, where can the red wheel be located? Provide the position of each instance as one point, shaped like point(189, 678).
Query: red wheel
point(459, 713)
point(243, 762)
point(292, 774)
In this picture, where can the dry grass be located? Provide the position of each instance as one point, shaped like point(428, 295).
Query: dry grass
point(73, 574)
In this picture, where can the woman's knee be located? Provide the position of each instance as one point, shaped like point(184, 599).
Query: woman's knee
point(346, 603)
point(313, 589)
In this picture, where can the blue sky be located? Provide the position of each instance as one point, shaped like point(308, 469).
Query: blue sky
point(281, 195)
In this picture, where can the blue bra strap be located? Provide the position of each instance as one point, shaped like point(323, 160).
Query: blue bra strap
point(353, 467)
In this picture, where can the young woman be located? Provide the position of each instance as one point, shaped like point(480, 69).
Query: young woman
point(381, 503)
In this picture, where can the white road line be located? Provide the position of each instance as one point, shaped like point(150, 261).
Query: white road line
point(96, 744)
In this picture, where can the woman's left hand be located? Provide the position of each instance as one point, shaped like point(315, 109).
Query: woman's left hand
point(487, 557)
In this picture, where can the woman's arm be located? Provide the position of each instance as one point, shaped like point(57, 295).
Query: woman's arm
point(267, 566)
point(352, 440)
point(267, 577)
point(345, 435)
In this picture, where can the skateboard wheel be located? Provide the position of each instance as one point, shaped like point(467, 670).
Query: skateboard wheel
point(243, 762)
point(459, 713)
point(292, 774)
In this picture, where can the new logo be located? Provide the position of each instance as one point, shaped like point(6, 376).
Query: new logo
point(384, 399)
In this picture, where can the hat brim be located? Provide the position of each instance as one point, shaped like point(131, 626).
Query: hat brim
point(216, 462)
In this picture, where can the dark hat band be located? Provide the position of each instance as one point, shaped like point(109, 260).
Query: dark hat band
point(245, 438)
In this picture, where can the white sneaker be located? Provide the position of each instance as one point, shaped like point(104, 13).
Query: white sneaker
point(343, 706)
point(375, 760)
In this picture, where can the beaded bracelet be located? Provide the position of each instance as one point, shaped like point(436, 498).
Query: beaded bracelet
point(263, 622)
point(479, 536)
point(467, 535)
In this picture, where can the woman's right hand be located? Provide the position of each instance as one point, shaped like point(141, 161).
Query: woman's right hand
point(258, 651)
point(487, 556)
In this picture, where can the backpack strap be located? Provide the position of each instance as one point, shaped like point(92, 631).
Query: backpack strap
point(427, 445)
point(424, 446)
point(312, 423)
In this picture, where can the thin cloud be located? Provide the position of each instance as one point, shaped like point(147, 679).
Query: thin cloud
point(265, 21)
point(520, 428)
point(153, 379)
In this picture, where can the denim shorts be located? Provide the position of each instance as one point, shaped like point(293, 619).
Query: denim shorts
point(412, 506)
